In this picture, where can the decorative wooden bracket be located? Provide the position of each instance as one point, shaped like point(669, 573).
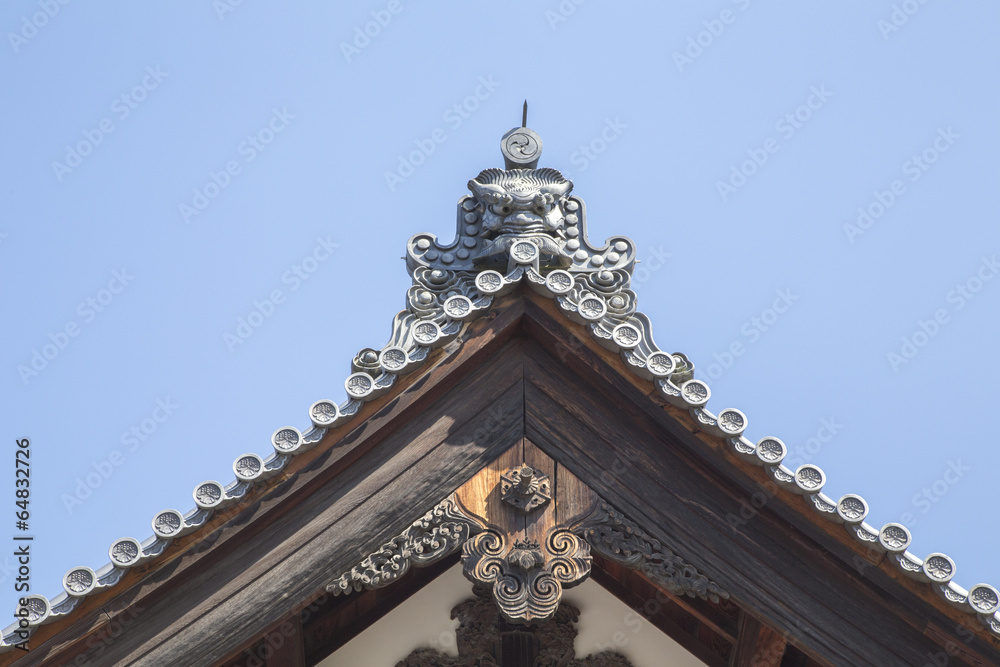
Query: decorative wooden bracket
point(527, 580)
point(526, 559)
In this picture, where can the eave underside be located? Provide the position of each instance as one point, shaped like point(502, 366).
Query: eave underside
point(520, 373)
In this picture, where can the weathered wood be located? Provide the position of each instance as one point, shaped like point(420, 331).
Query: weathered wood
point(574, 499)
point(661, 485)
point(908, 601)
point(537, 524)
point(758, 645)
point(480, 496)
point(339, 619)
point(413, 468)
point(268, 502)
point(662, 611)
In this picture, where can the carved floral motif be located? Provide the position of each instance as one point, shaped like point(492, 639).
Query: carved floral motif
point(614, 536)
point(525, 488)
point(438, 533)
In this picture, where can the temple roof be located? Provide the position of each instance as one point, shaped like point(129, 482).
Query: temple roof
point(519, 229)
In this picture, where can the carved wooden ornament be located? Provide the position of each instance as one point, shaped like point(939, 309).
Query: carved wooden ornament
point(523, 575)
point(525, 488)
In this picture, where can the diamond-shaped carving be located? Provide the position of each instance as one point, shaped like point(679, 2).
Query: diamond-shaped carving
point(525, 488)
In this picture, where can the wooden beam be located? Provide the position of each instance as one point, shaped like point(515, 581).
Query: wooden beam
point(337, 620)
point(405, 474)
point(757, 645)
point(101, 617)
point(586, 417)
point(662, 610)
point(287, 644)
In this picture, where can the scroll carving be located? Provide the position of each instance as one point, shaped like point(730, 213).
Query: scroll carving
point(618, 538)
point(438, 533)
point(527, 580)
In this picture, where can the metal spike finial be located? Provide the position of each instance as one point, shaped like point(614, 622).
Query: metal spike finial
point(521, 147)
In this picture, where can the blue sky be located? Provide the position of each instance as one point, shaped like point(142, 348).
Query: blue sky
point(812, 188)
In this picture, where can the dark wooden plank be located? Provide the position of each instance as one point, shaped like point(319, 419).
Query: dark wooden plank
point(339, 619)
point(904, 597)
point(662, 611)
point(287, 644)
point(758, 645)
point(421, 463)
point(589, 435)
point(268, 502)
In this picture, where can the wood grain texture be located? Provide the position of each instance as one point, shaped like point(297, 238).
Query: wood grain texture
point(664, 612)
point(410, 470)
point(659, 484)
point(480, 496)
point(882, 587)
point(268, 502)
point(536, 525)
point(574, 499)
point(758, 645)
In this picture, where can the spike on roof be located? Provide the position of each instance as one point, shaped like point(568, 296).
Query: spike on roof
point(519, 226)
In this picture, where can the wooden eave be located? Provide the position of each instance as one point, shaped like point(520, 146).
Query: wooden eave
point(522, 373)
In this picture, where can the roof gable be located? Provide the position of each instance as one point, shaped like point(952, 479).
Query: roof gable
point(569, 364)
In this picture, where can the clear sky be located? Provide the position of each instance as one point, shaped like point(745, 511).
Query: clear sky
point(812, 188)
